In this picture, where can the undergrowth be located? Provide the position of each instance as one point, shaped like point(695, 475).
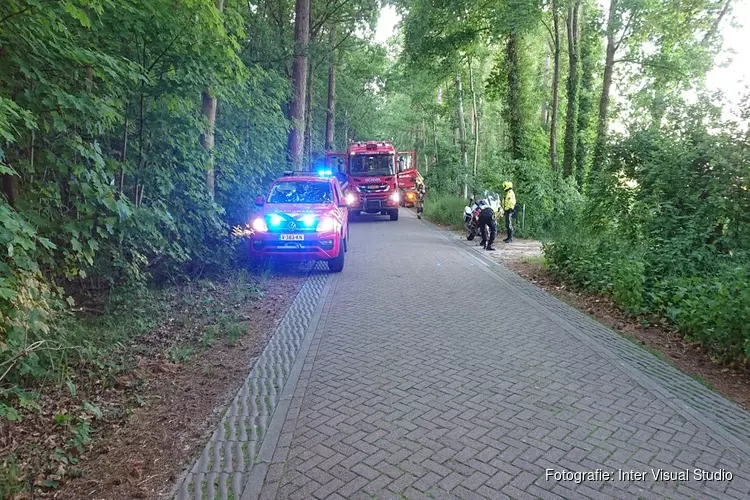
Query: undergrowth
point(65, 388)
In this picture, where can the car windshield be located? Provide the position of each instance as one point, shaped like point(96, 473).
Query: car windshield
point(301, 192)
point(371, 165)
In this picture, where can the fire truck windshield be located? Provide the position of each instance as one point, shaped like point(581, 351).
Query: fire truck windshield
point(371, 165)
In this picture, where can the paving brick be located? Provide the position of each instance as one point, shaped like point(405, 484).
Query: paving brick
point(427, 481)
point(400, 394)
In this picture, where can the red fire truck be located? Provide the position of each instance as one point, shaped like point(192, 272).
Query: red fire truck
point(372, 185)
point(407, 177)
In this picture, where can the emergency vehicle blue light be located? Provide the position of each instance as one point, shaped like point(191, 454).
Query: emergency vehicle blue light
point(275, 219)
point(324, 172)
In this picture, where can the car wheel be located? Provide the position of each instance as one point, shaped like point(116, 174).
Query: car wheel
point(394, 214)
point(336, 265)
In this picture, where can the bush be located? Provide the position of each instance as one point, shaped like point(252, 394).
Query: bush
point(550, 200)
point(445, 209)
point(711, 311)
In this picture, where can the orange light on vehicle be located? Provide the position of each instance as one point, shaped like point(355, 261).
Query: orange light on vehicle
point(410, 196)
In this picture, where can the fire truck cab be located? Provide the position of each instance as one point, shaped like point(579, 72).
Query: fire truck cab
point(371, 179)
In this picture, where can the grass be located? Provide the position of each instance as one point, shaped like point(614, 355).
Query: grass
point(447, 210)
point(235, 331)
point(537, 260)
point(180, 354)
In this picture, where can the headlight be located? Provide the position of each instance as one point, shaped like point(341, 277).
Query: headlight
point(260, 225)
point(350, 199)
point(410, 195)
point(325, 225)
point(394, 196)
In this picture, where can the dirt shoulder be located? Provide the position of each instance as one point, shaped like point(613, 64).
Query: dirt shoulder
point(187, 372)
point(525, 258)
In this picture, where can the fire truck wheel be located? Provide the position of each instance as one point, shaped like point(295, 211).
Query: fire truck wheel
point(394, 214)
point(336, 265)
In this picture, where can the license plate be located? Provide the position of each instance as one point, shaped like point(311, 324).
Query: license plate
point(373, 186)
point(292, 237)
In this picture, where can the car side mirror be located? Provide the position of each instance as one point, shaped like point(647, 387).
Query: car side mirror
point(259, 201)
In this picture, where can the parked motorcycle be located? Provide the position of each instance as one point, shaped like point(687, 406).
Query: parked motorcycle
point(472, 211)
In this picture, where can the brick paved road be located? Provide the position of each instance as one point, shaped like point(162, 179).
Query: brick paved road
point(406, 391)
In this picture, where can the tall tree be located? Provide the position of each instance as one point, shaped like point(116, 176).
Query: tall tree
point(331, 108)
point(475, 120)
point(513, 106)
point(590, 47)
point(462, 134)
point(209, 104)
point(299, 83)
point(573, 83)
point(555, 85)
point(613, 23)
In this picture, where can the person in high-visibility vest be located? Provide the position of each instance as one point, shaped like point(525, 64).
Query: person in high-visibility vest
point(509, 206)
point(421, 191)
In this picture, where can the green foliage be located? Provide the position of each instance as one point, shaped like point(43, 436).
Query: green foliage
point(667, 230)
point(447, 210)
point(711, 311)
point(104, 174)
point(179, 354)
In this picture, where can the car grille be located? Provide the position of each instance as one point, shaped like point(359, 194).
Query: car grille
point(376, 188)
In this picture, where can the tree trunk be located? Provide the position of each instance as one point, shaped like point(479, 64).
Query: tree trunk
point(514, 98)
point(555, 85)
point(10, 188)
point(609, 63)
point(545, 103)
point(124, 149)
point(715, 26)
point(331, 109)
point(462, 135)
point(299, 83)
point(570, 115)
point(585, 103)
point(207, 138)
point(475, 120)
point(435, 140)
point(307, 156)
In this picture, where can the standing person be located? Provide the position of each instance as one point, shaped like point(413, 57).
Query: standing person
point(421, 191)
point(509, 206)
point(488, 227)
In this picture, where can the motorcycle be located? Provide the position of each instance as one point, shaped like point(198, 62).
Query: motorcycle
point(475, 207)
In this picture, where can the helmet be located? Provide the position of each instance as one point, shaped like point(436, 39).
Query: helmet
point(507, 185)
point(482, 204)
